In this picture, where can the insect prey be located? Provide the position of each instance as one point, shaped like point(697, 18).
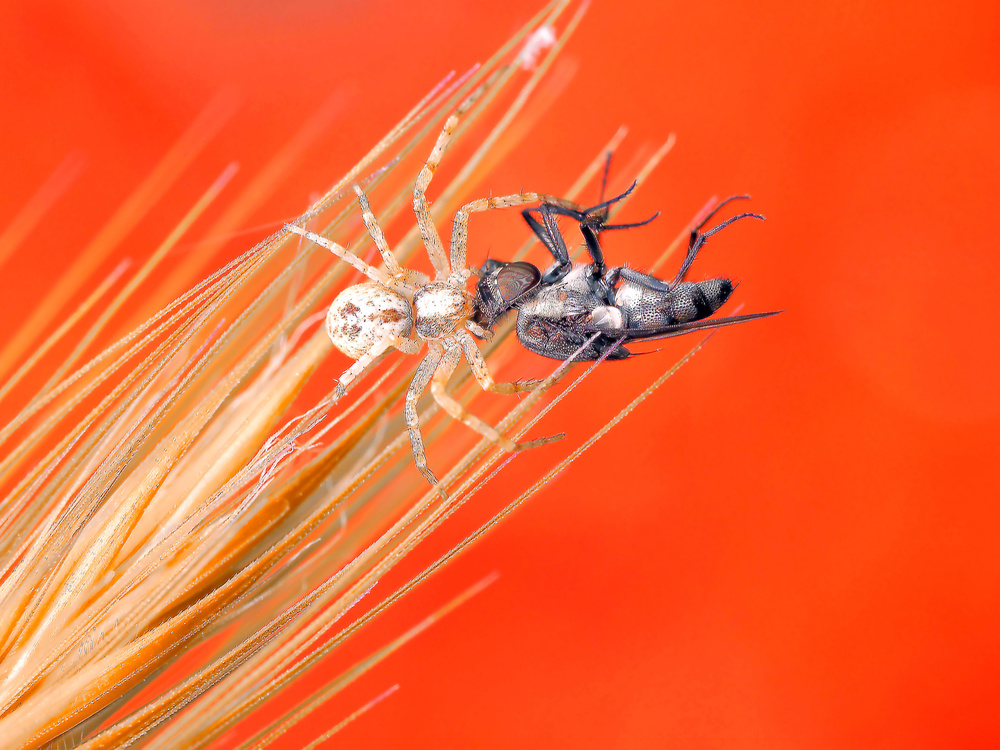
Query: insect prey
point(590, 310)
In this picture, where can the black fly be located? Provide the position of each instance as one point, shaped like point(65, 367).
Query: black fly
point(559, 310)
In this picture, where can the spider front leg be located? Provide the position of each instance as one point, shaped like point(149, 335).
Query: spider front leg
point(460, 226)
point(375, 274)
point(421, 208)
point(409, 280)
point(452, 356)
point(481, 370)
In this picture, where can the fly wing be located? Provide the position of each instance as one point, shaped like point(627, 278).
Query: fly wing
point(665, 332)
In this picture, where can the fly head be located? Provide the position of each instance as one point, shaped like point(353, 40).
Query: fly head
point(502, 286)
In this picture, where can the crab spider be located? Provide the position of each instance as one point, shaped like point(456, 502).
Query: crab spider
point(402, 309)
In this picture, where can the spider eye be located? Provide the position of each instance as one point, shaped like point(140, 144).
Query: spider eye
point(515, 280)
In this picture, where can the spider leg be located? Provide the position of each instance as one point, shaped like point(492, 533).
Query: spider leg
point(425, 370)
point(375, 274)
point(369, 358)
point(477, 329)
point(481, 370)
point(453, 353)
point(421, 208)
point(460, 227)
point(396, 271)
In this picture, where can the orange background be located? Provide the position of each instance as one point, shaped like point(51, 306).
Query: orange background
point(793, 543)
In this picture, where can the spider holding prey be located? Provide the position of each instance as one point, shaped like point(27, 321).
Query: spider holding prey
point(367, 320)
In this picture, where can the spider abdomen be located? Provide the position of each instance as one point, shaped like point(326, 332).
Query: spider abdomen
point(364, 314)
point(441, 308)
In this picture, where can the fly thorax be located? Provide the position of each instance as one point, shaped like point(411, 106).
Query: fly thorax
point(578, 279)
point(364, 314)
point(441, 309)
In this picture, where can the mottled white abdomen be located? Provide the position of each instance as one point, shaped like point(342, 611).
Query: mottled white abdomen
point(364, 314)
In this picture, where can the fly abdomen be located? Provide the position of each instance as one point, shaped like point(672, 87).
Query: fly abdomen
point(694, 300)
point(645, 306)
